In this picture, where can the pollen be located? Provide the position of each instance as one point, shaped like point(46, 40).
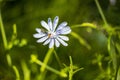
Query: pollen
point(49, 35)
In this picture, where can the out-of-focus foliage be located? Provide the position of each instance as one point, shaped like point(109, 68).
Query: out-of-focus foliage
point(91, 46)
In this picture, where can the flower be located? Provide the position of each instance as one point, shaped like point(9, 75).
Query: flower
point(53, 34)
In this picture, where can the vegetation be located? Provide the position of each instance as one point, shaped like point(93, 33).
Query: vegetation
point(93, 51)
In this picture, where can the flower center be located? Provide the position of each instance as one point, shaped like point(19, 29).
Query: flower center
point(51, 34)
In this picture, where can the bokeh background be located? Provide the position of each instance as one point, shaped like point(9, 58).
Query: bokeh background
point(27, 14)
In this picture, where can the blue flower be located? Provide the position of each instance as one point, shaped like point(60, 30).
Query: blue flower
point(53, 34)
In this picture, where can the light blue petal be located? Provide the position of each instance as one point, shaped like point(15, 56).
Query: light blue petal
point(65, 38)
point(57, 44)
point(38, 35)
point(50, 24)
point(45, 25)
point(62, 42)
point(62, 25)
point(55, 22)
point(51, 43)
point(47, 41)
point(42, 39)
point(38, 30)
point(65, 30)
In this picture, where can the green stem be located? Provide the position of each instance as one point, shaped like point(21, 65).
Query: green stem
point(9, 60)
point(71, 69)
point(26, 71)
point(101, 13)
point(3, 32)
point(46, 59)
point(34, 59)
point(100, 66)
point(16, 72)
point(58, 59)
point(51, 69)
point(81, 40)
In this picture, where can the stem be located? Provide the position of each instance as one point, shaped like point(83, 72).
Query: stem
point(81, 40)
point(87, 25)
point(9, 59)
point(58, 59)
point(51, 69)
point(71, 69)
point(100, 66)
point(26, 71)
point(14, 29)
point(34, 59)
point(3, 32)
point(101, 13)
point(46, 59)
point(16, 72)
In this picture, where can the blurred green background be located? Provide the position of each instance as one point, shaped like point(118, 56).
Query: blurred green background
point(27, 14)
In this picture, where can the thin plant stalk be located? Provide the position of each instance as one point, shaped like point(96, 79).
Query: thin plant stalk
point(51, 69)
point(34, 59)
point(5, 43)
point(101, 13)
point(26, 71)
point(4, 40)
point(57, 58)
point(71, 69)
point(16, 72)
point(3, 32)
point(46, 59)
point(9, 60)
